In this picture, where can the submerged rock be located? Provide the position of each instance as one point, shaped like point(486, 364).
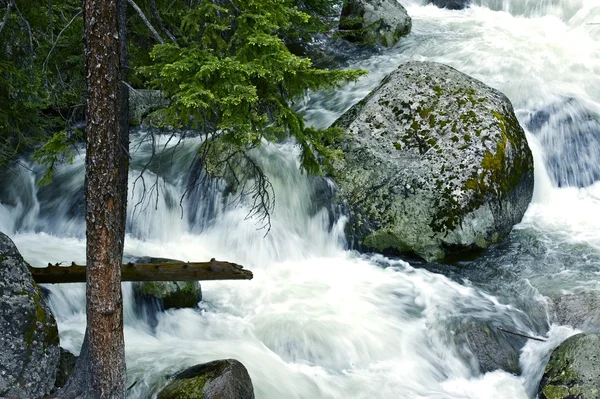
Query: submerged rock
point(374, 22)
point(573, 370)
point(29, 349)
point(435, 163)
point(451, 4)
point(219, 379)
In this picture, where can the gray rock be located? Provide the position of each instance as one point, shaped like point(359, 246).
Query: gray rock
point(580, 311)
point(143, 102)
point(485, 348)
point(219, 379)
point(451, 4)
point(29, 349)
point(374, 22)
point(573, 370)
point(435, 163)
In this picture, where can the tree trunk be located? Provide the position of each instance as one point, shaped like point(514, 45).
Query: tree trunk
point(106, 198)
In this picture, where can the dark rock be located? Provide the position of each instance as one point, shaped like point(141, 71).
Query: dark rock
point(451, 4)
point(580, 311)
point(219, 379)
point(435, 163)
point(29, 344)
point(573, 370)
point(487, 349)
point(65, 367)
point(374, 22)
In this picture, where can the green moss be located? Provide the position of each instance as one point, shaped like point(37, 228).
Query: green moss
point(555, 391)
point(438, 90)
point(385, 239)
point(188, 388)
point(397, 145)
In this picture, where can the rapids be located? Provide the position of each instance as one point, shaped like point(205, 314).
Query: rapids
point(319, 320)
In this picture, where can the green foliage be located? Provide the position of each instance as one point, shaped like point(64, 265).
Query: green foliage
point(232, 76)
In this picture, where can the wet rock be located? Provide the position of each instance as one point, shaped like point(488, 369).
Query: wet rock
point(451, 4)
point(219, 379)
point(580, 311)
point(29, 344)
point(374, 22)
point(487, 349)
point(573, 370)
point(435, 163)
point(161, 295)
point(65, 367)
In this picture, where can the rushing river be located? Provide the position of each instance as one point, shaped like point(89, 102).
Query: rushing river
point(321, 321)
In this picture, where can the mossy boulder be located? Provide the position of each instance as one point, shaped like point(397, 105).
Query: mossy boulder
point(381, 22)
point(161, 295)
point(219, 379)
point(573, 370)
point(65, 367)
point(435, 163)
point(29, 344)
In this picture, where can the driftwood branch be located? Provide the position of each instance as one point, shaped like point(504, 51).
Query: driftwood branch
point(146, 21)
point(520, 335)
point(162, 271)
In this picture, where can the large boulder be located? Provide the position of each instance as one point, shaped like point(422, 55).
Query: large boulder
point(451, 4)
point(29, 345)
point(142, 102)
point(374, 22)
point(573, 370)
point(219, 379)
point(435, 163)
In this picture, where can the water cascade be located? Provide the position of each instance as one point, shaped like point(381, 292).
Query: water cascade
point(321, 321)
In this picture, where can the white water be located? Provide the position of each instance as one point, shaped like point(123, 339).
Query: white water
point(318, 321)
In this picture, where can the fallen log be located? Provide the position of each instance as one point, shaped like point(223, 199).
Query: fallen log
point(161, 271)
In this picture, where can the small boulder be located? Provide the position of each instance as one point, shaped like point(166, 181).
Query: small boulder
point(451, 4)
point(435, 163)
point(65, 367)
point(374, 22)
point(29, 344)
point(219, 379)
point(161, 295)
point(573, 370)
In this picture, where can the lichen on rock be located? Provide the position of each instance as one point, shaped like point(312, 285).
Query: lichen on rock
point(29, 343)
point(435, 163)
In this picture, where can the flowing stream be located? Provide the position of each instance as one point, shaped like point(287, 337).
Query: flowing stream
point(319, 320)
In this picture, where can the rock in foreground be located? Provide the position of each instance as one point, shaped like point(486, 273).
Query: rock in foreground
point(29, 349)
point(573, 370)
point(436, 164)
point(219, 379)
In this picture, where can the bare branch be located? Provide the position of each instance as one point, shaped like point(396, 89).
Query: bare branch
point(14, 4)
point(158, 19)
point(146, 22)
point(5, 19)
point(57, 38)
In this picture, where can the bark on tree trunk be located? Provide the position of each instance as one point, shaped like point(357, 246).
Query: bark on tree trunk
point(106, 196)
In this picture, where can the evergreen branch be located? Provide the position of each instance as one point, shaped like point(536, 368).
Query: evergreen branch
point(27, 25)
point(146, 22)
